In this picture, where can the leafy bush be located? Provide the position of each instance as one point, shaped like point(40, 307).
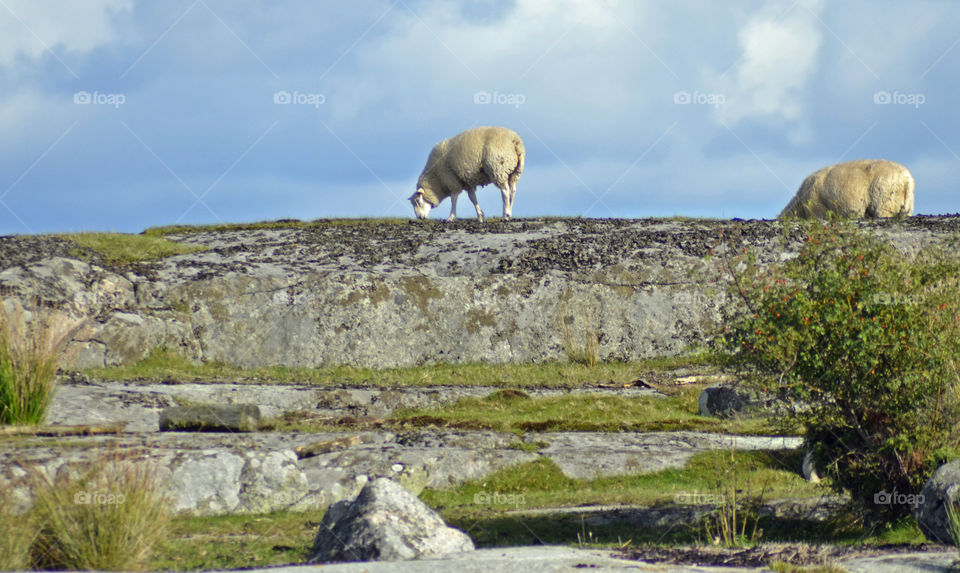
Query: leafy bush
point(866, 339)
point(29, 352)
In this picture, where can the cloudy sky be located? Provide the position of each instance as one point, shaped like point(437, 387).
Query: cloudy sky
point(121, 115)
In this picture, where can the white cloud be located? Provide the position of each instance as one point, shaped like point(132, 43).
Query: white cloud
point(779, 57)
point(30, 28)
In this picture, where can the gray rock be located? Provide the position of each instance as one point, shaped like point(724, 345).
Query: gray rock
point(82, 401)
point(724, 400)
point(628, 453)
point(385, 523)
point(386, 294)
point(915, 562)
point(230, 418)
point(941, 490)
point(538, 559)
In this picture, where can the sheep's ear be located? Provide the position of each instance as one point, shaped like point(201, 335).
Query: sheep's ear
point(420, 191)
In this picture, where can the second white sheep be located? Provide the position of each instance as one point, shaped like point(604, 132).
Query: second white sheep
point(468, 160)
point(861, 188)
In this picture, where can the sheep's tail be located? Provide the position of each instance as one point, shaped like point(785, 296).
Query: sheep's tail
point(521, 156)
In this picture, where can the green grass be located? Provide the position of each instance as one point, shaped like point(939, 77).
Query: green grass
point(121, 248)
point(510, 412)
point(543, 484)
point(164, 365)
point(17, 534)
point(107, 519)
point(263, 225)
point(236, 541)
point(540, 484)
point(29, 353)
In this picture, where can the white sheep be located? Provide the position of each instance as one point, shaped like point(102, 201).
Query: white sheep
point(466, 161)
point(861, 188)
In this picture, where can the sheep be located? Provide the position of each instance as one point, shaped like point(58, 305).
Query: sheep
point(862, 188)
point(468, 160)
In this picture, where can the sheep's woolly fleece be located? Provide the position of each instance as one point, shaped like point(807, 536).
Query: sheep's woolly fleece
point(468, 160)
point(862, 188)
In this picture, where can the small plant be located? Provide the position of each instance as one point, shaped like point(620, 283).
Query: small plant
point(865, 339)
point(30, 348)
point(587, 353)
point(584, 537)
point(953, 524)
point(109, 518)
point(735, 522)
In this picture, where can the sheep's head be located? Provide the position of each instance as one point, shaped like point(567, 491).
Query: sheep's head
point(421, 206)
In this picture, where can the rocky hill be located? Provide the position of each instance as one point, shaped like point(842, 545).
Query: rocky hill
point(388, 293)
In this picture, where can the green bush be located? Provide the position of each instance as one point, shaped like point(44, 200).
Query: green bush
point(866, 340)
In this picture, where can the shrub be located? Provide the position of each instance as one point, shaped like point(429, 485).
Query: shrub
point(108, 518)
point(867, 339)
point(29, 352)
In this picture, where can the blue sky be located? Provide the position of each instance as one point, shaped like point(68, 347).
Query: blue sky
point(119, 115)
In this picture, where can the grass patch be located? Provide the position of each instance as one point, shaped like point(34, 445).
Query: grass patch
point(108, 519)
point(264, 225)
point(17, 535)
point(474, 506)
point(121, 248)
point(236, 541)
point(542, 484)
point(164, 366)
point(582, 413)
point(30, 348)
point(485, 508)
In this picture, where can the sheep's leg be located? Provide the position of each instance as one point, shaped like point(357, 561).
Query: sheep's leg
point(507, 202)
point(472, 193)
point(453, 206)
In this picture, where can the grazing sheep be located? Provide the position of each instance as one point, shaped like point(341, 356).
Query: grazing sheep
point(466, 161)
point(861, 188)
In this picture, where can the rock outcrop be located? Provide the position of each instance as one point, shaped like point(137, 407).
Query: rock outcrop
point(385, 294)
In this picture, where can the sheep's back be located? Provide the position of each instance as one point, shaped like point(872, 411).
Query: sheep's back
point(891, 189)
point(864, 187)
